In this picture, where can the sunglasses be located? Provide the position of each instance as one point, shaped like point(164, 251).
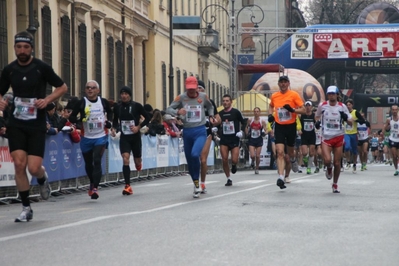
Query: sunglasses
point(91, 87)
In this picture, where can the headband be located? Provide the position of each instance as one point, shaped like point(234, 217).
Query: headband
point(23, 39)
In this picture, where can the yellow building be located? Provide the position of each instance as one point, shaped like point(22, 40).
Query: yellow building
point(118, 43)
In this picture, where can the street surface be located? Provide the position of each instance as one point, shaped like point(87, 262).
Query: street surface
point(251, 223)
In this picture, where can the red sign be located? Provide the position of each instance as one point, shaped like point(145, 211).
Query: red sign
point(355, 45)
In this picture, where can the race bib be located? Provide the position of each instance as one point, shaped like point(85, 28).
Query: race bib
point(95, 125)
point(228, 128)
point(25, 108)
point(193, 113)
point(125, 126)
point(283, 114)
point(308, 126)
point(333, 124)
point(255, 133)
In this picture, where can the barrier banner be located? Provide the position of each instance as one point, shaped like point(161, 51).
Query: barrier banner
point(162, 150)
point(173, 152)
point(264, 154)
point(211, 156)
point(7, 176)
point(149, 147)
point(182, 156)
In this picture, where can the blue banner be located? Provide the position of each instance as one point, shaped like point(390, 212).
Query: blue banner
point(149, 152)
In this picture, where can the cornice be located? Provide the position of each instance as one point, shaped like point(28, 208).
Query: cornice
point(82, 7)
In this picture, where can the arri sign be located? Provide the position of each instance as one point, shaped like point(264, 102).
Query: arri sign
point(355, 45)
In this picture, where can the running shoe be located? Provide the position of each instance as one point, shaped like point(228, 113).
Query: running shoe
point(233, 169)
point(95, 195)
point(280, 183)
point(329, 173)
point(26, 215)
point(396, 173)
point(362, 168)
point(127, 190)
point(335, 188)
point(252, 164)
point(287, 180)
point(256, 172)
point(354, 169)
point(305, 160)
point(139, 167)
point(197, 192)
point(317, 170)
point(90, 191)
point(308, 171)
point(295, 166)
point(45, 189)
point(229, 183)
point(365, 167)
point(348, 165)
point(390, 162)
point(203, 189)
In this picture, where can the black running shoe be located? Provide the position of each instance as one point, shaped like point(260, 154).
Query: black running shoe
point(233, 169)
point(252, 165)
point(229, 183)
point(280, 183)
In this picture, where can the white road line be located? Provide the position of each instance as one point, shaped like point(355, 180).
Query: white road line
point(250, 182)
point(207, 182)
point(102, 218)
point(75, 210)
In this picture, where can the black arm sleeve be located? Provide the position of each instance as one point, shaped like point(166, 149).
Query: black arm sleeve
point(4, 81)
point(107, 109)
point(77, 108)
point(144, 113)
point(115, 121)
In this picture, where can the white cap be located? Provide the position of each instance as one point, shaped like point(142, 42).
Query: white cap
point(332, 89)
point(308, 102)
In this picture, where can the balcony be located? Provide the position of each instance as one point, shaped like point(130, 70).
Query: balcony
point(208, 42)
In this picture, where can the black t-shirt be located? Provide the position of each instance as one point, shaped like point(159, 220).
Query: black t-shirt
point(130, 111)
point(232, 115)
point(28, 81)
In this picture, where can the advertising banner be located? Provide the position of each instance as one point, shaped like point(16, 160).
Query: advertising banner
point(162, 150)
point(173, 152)
point(355, 45)
point(301, 46)
point(149, 147)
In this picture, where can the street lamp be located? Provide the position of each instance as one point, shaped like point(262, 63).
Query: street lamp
point(233, 35)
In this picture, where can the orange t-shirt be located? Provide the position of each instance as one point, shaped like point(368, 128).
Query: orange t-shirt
point(278, 100)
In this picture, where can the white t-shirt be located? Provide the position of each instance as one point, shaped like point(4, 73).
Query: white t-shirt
point(331, 119)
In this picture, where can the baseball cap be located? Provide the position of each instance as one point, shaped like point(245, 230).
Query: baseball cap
point(308, 103)
point(191, 83)
point(281, 78)
point(332, 89)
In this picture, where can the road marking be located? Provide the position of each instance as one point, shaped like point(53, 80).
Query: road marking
point(207, 182)
point(75, 210)
point(359, 182)
point(309, 181)
point(107, 217)
point(251, 182)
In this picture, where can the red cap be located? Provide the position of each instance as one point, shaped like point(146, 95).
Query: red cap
point(191, 83)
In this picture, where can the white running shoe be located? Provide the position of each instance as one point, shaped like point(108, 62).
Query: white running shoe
point(45, 189)
point(294, 166)
point(25, 216)
point(197, 192)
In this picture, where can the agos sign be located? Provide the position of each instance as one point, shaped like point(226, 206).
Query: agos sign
point(356, 45)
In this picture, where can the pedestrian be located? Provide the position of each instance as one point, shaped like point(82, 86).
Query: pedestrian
point(211, 129)
point(392, 125)
point(255, 130)
point(331, 114)
point(95, 125)
point(351, 136)
point(191, 105)
point(308, 137)
point(231, 120)
point(26, 129)
point(127, 115)
point(170, 127)
point(286, 104)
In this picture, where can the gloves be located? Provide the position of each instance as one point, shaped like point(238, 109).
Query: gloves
point(368, 124)
point(343, 116)
point(317, 124)
point(289, 108)
point(215, 129)
point(270, 118)
point(239, 134)
point(108, 124)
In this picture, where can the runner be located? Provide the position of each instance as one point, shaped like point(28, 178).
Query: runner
point(308, 137)
point(231, 118)
point(95, 125)
point(286, 104)
point(332, 113)
point(374, 147)
point(392, 125)
point(191, 107)
point(254, 129)
point(26, 128)
point(363, 133)
point(127, 115)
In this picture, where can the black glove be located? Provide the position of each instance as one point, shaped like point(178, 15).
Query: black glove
point(289, 108)
point(108, 124)
point(343, 116)
point(317, 124)
point(270, 118)
point(360, 121)
point(368, 124)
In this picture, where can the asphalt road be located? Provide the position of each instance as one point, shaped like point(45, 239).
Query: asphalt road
point(251, 223)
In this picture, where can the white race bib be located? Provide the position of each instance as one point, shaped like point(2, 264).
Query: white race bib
point(283, 114)
point(25, 108)
point(228, 128)
point(125, 126)
point(193, 113)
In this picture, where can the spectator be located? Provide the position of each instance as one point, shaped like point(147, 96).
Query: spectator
point(52, 119)
point(2, 126)
point(170, 126)
point(149, 109)
point(155, 126)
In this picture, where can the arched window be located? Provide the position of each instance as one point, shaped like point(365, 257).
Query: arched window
point(120, 70)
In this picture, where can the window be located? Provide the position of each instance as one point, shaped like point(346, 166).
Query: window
point(82, 43)
point(130, 66)
point(111, 68)
point(184, 76)
point(46, 40)
point(66, 53)
point(97, 56)
point(120, 73)
point(164, 94)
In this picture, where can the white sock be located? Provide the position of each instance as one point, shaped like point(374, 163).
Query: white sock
point(310, 161)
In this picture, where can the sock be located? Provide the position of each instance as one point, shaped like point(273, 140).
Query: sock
point(24, 198)
point(196, 183)
point(126, 174)
point(202, 183)
point(311, 158)
point(281, 177)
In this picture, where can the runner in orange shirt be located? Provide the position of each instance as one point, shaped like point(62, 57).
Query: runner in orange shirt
point(286, 104)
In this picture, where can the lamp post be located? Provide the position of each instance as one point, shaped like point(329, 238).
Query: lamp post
point(233, 17)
